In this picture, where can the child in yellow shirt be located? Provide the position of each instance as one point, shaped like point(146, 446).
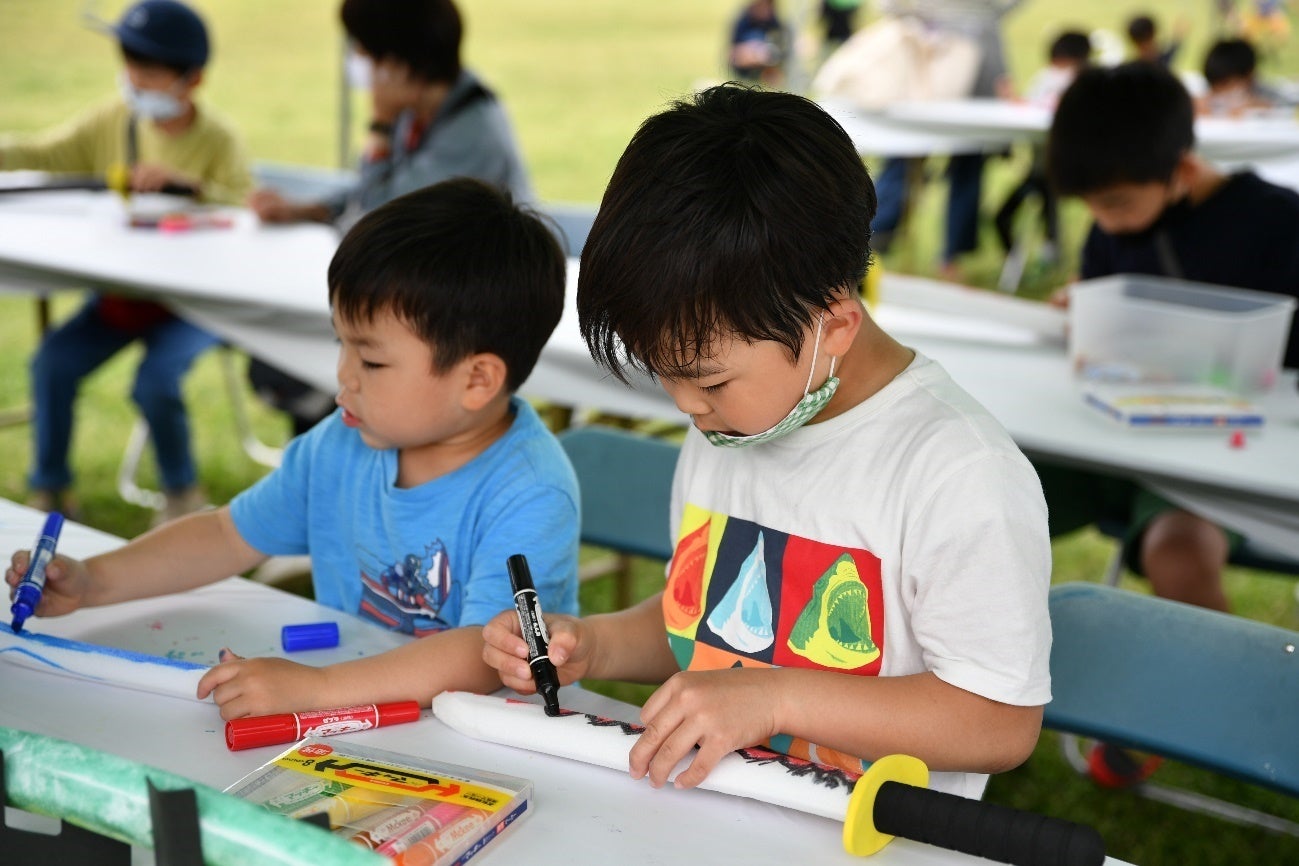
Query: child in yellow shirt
point(164, 140)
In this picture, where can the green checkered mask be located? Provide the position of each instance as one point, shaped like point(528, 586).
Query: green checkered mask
point(804, 410)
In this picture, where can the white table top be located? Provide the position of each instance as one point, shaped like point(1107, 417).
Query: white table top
point(999, 122)
point(585, 814)
point(263, 288)
point(260, 287)
point(875, 133)
point(1020, 373)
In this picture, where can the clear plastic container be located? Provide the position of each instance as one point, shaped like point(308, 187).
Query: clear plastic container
point(1133, 328)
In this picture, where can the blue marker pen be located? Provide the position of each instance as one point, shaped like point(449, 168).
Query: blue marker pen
point(27, 595)
point(534, 632)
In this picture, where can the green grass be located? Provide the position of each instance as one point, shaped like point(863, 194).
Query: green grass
point(577, 78)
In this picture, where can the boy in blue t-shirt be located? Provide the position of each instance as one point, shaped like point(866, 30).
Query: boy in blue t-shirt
point(411, 497)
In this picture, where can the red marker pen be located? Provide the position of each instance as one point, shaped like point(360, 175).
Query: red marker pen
point(257, 731)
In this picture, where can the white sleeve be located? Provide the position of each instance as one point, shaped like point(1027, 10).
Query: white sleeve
point(978, 579)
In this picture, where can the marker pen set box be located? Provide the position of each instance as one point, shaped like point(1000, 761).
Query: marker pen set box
point(1158, 331)
point(1173, 407)
point(413, 810)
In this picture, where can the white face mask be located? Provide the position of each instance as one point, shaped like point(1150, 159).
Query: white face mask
point(360, 71)
point(804, 410)
point(151, 104)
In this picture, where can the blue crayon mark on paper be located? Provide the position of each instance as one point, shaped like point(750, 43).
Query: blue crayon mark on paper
point(32, 644)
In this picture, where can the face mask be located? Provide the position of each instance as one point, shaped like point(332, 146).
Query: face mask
point(804, 410)
point(151, 104)
point(360, 71)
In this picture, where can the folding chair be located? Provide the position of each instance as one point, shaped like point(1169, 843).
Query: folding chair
point(626, 484)
point(1198, 686)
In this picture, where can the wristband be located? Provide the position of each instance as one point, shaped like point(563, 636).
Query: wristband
point(381, 127)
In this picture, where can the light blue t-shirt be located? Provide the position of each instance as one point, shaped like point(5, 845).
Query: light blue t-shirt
point(427, 558)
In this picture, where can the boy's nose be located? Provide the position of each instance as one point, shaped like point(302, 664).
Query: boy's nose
point(689, 400)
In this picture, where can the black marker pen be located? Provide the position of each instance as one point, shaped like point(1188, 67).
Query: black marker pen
point(534, 632)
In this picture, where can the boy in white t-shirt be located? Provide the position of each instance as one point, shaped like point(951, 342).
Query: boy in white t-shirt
point(867, 571)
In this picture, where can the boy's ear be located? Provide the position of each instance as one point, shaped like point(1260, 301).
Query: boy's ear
point(1183, 177)
point(485, 380)
point(192, 80)
point(842, 322)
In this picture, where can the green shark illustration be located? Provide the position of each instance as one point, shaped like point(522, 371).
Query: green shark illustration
point(834, 629)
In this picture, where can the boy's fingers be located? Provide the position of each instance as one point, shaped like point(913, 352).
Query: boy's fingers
point(214, 677)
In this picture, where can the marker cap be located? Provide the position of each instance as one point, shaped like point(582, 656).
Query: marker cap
point(309, 636)
point(257, 731)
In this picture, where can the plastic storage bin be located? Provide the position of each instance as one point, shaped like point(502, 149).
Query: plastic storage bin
point(1131, 328)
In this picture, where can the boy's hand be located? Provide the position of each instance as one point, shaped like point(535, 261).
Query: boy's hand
point(720, 711)
point(66, 582)
point(270, 206)
point(504, 649)
point(258, 687)
point(152, 178)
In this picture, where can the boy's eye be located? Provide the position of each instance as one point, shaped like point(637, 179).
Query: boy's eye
point(712, 389)
point(371, 365)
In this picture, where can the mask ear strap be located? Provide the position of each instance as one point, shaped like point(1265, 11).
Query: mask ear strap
point(816, 347)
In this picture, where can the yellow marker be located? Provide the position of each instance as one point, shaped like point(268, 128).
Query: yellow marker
point(118, 179)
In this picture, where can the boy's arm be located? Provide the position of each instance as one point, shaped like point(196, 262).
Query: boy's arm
point(633, 644)
point(184, 554)
point(69, 147)
point(230, 179)
point(945, 726)
point(448, 660)
point(628, 645)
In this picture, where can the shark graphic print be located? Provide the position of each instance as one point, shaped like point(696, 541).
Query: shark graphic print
point(741, 594)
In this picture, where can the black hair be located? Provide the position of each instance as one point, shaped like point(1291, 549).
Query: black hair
point(1126, 124)
point(423, 34)
point(738, 211)
point(460, 264)
point(1228, 59)
point(139, 59)
point(1141, 29)
point(1071, 45)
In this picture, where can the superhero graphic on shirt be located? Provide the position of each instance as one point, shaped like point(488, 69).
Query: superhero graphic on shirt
point(409, 595)
point(741, 594)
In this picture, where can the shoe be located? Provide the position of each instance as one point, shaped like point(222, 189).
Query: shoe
point(54, 500)
point(178, 503)
point(1112, 767)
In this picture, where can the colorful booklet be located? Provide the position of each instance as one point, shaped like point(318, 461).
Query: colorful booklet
point(1177, 406)
point(415, 811)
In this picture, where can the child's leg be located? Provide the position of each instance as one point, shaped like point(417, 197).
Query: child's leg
point(891, 198)
point(171, 348)
point(66, 355)
point(1183, 556)
point(1005, 217)
point(965, 176)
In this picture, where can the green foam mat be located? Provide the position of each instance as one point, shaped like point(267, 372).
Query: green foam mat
point(109, 795)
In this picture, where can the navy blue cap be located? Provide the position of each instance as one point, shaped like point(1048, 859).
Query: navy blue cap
point(309, 636)
point(166, 31)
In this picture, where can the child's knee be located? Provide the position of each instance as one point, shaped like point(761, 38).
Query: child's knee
point(1178, 536)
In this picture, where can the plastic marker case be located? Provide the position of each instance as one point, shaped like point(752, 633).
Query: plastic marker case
point(414, 810)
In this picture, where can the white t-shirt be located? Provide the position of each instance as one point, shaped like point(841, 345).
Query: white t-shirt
point(908, 534)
